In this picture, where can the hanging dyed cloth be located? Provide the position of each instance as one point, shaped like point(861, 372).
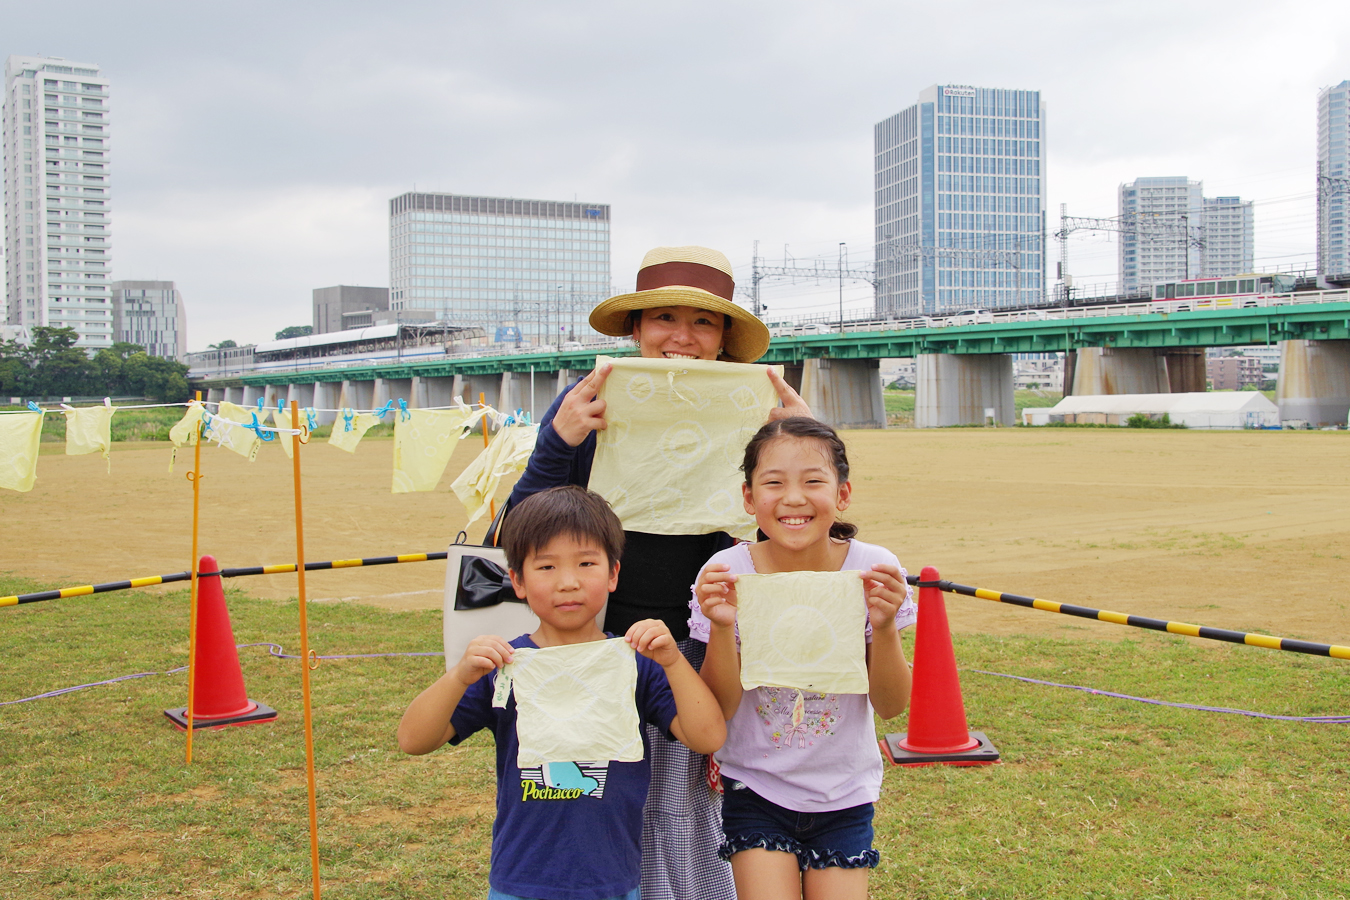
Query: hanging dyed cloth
point(509, 452)
point(282, 419)
point(349, 427)
point(232, 428)
point(19, 437)
point(669, 462)
point(89, 429)
point(423, 442)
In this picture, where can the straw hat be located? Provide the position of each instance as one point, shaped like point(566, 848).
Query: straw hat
point(687, 276)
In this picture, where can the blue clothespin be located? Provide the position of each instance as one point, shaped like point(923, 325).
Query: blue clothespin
point(403, 413)
point(385, 410)
point(257, 429)
point(206, 422)
point(281, 408)
point(347, 415)
point(34, 407)
point(522, 417)
point(262, 410)
point(311, 417)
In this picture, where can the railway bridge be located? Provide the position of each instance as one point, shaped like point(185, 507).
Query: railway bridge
point(963, 367)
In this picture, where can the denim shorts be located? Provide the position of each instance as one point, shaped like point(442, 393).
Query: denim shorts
point(819, 840)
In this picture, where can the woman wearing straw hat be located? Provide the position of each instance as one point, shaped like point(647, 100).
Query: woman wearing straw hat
point(681, 309)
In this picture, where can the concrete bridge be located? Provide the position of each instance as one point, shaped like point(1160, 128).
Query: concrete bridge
point(962, 369)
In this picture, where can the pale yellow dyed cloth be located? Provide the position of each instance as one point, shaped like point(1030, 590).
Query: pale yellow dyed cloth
point(576, 702)
point(184, 433)
point(227, 429)
point(20, 434)
point(423, 443)
point(669, 460)
point(89, 430)
point(508, 452)
point(281, 418)
point(804, 630)
point(345, 439)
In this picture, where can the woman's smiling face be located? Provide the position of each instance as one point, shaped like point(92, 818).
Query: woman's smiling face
point(679, 332)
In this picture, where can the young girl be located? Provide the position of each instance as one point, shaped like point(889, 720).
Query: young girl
point(800, 770)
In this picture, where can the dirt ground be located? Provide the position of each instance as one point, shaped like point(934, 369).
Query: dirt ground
point(1241, 530)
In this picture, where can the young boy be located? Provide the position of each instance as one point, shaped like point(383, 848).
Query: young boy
point(565, 831)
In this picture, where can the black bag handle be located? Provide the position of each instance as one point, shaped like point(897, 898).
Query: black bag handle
point(490, 539)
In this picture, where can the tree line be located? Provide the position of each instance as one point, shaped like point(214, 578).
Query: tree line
point(52, 366)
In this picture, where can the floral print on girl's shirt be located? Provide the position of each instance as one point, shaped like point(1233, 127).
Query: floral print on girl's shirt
point(796, 718)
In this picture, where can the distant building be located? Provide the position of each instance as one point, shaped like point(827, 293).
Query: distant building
point(1234, 373)
point(1333, 189)
point(346, 306)
point(150, 313)
point(960, 201)
point(1181, 233)
point(57, 197)
point(521, 269)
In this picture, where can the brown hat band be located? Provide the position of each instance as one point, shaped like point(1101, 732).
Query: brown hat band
point(688, 274)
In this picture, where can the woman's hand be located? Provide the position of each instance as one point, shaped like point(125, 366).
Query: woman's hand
point(885, 591)
point(582, 411)
point(716, 592)
point(793, 404)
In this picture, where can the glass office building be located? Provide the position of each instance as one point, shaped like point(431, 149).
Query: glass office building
point(524, 270)
point(1333, 181)
point(960, 202)
point(57, 197)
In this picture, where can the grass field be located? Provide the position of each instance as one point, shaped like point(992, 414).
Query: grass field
point(1096, 797)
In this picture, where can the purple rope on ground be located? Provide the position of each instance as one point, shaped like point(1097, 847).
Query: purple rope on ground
point(1317, 720)
point(275, 650)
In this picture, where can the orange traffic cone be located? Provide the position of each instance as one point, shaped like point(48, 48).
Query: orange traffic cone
point(219, 698)
point(937, 716)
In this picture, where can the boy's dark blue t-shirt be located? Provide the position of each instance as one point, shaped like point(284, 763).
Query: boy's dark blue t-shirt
point(565, 831)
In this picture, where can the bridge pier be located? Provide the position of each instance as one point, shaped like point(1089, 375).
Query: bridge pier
point(845, 393)
point(327, 395)
point(214, 395)
point(302, 394)
point(387, 389)
point(1127, 370)
point(956, 389)
point(251, 395)
point(234, 395)
point(432, 391)
point(357, 395)
point(1314, 382)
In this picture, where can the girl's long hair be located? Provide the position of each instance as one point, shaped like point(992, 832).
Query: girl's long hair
point(805, 428)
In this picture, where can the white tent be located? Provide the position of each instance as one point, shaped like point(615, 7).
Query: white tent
point(1211, 409)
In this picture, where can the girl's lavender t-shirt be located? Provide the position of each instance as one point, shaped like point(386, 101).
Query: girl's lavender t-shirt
point(805, 751)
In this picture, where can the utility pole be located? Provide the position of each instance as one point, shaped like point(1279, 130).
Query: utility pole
point(841, 287)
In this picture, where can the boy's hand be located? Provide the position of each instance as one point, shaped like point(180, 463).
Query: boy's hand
point(716, 592)
point(652, 638)
point(885, 591)
point(484, 653)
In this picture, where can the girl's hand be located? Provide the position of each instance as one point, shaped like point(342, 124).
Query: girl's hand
point(484, 653)
point(582, 411)
point(885, 591)
point(652, 638)
point(793, 404)
point(716, 592)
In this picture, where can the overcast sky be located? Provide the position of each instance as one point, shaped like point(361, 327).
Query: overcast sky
point(256, 144)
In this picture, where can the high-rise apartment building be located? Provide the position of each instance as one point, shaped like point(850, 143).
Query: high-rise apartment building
point(960, 201)
point(1333, 181)
point(1180, 233)
point(150, 313)
point(58, 249)
point(521, 269)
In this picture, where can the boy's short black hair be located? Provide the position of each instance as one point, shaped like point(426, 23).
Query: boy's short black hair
point(571, 510)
